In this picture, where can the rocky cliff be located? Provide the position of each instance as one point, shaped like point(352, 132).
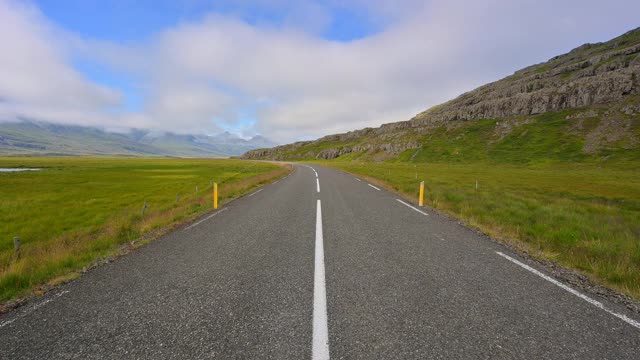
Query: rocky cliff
point(592, 75)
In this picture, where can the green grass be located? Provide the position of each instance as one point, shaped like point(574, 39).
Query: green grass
point(545, 138)
point(76, 210)
point(585, 216)
point(562, 185)
point(549, 137)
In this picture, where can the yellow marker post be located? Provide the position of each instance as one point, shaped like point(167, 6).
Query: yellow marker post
point(215, 195)
point(421, 200)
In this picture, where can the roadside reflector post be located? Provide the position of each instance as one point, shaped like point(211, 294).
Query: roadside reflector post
point(421, 199)
point(144, 207)
point(16, 243)
point(215, 195)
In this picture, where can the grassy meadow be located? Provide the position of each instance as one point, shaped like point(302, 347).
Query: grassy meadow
point(563, 186)
point(584, 216)
point(77, 210)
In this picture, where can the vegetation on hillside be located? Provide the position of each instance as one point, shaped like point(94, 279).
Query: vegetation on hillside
point(596, 133)
point(562, 185)
point(579, 105)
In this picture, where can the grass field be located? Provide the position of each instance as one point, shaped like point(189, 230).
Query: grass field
point(77, 210)
point(564, 186)
point(584, 216)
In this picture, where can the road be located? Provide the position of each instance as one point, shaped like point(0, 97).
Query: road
point(320, 265)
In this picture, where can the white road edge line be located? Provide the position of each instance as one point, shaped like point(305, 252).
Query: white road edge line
point(275, 182)
point(33, 308)
point(207, 218)
point(357, 179)
point(414, 208)
point(320, 346)
point(591, 301)
point(318, 185)
point(7, 322)
point(374, 187)
point(253, 193)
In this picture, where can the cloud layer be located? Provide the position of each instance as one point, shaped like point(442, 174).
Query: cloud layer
point(287, 77)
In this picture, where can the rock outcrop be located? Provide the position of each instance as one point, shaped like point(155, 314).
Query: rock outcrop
point(592, 74)
point(588, 75)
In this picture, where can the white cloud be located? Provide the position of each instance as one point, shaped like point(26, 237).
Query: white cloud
point(35, 77)
point(200, 76)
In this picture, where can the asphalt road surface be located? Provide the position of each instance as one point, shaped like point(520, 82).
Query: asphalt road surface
point(319, 265)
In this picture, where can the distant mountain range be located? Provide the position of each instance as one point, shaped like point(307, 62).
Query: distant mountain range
point(48, 139)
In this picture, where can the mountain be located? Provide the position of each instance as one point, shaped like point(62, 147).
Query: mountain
point(224, 144)
point(578, 106)
point(42, 138)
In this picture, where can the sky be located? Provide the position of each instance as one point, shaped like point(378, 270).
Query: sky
point(286, 69)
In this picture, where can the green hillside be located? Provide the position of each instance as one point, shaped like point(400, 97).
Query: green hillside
point(554, 150)
point(580, 106)
point(576, 135)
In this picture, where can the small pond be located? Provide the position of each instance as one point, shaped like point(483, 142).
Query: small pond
point(17, 169)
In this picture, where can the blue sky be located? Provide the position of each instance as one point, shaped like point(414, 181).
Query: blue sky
point(286, 69)
point(134, 22)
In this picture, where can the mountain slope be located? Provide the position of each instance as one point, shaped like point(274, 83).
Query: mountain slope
point(37, 138)
point(224, 144)
point(546, 160)
point(580, 105)
point(41, 138)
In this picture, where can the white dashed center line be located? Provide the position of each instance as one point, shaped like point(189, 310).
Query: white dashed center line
point(374, 187)
point(320, 346)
